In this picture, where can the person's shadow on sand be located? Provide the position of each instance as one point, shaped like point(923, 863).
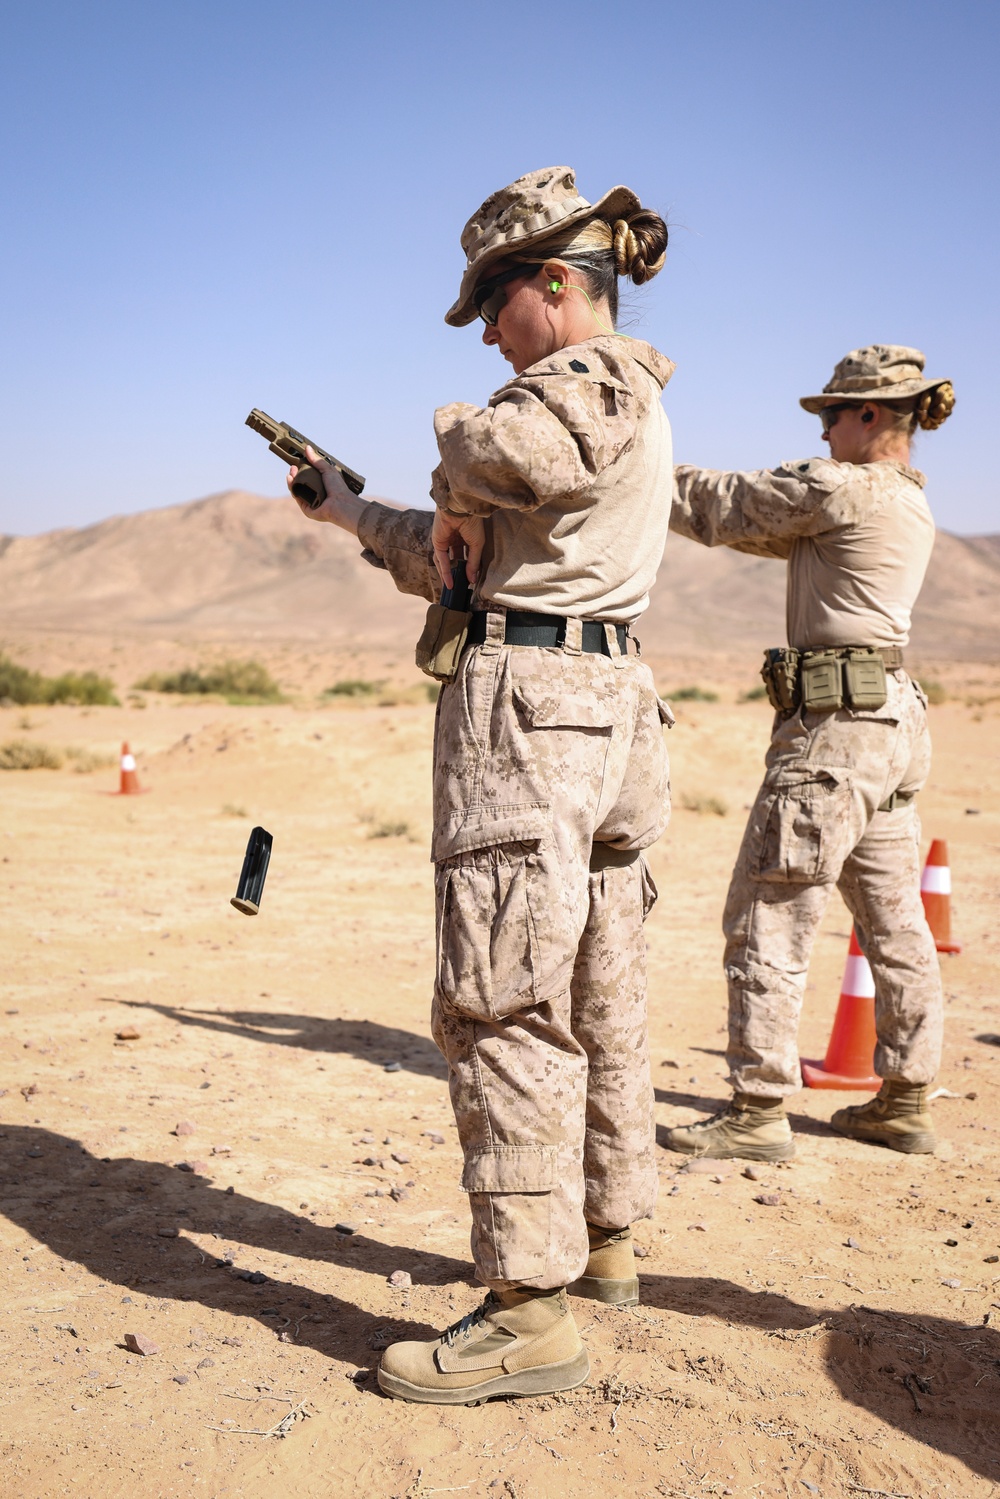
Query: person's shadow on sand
point(935, 1379)
point(105, 1215)
point(365, 1039)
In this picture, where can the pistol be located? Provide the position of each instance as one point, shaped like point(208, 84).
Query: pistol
point(290, 447)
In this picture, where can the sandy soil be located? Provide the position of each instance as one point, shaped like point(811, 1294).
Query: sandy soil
point(841, 1342)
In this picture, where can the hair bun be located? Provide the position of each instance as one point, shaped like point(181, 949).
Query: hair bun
point(935, 406)
point(640, 245)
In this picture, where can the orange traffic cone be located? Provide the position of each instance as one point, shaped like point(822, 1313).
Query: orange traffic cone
point(129, 783)
point(848, 1063)
point(935, 892)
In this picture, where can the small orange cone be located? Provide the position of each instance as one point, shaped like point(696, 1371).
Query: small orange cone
point(129, 782)
point(848, 1063)
point(935, 892)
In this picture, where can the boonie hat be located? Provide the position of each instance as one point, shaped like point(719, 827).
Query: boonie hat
point(880, 372)
point(530, 209)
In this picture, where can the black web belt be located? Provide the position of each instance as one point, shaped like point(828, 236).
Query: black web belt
point(547, 630)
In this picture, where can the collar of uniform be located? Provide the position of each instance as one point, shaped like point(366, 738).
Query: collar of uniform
point(913, 474)
point(609, 350)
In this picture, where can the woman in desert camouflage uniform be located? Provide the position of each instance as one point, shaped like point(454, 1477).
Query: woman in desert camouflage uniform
point(849, 752)
point(550, 776)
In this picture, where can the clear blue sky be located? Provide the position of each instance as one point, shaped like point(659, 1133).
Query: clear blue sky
point(211, 206)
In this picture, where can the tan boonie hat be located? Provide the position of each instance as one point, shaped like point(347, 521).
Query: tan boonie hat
point(528, 211)
point(881, 372)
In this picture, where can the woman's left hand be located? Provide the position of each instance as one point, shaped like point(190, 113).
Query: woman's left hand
point(466, 532)
point(341, 505)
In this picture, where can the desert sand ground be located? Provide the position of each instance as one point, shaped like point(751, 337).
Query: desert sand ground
point(840, 1342)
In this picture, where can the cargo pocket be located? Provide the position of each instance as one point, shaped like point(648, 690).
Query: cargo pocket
point(510, 1194)
point(803, 829)
point(488, 961)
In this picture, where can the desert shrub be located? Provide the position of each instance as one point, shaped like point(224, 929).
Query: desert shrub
point(20, 685)
point(936, 694)
point(85, 760)
point(693, 695)
point(389, 830)
point(239, 681)
point(23, 754)
point(81, 687)
point(755, 694)
point(354, 687)
point(692, 802)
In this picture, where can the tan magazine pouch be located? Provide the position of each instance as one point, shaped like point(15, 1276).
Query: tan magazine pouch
point(442, 641)
point(780, 673)
point(822, 691)
point(864, 680)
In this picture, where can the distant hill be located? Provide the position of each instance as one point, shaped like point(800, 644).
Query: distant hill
point(239, 566)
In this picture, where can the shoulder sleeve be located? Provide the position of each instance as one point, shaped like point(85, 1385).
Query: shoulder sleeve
point(549, 433)
point(400, 542)
point(762, 511)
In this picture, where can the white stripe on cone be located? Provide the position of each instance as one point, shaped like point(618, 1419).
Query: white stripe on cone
point(128, 762)
point(858, 979)
point(936, 879)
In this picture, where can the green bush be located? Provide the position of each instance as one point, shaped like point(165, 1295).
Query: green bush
point(22, 754)
point(755, 694)
point(936, 694)
point(20, 685)
point(238, 681)
point(692, 695)
point(354, 687)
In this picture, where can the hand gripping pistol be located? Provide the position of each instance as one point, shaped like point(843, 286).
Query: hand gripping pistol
point(290, 447)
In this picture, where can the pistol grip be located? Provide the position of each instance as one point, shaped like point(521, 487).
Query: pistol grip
point(308, 487)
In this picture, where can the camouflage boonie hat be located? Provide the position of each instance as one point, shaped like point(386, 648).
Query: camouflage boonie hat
point(880, 372)
point(531, 209)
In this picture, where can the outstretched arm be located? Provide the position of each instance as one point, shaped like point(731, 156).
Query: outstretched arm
point(763, 511)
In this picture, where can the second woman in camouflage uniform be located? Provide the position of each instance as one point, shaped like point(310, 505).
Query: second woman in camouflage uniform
point(849, 752)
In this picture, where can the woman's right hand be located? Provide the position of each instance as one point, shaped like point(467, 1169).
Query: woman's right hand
point(341, 506)
point(462, 532)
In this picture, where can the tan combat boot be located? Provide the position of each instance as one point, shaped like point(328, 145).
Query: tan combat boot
point(897, 1116)
point(754, 1129)
point(609, 1275)
point(516, 1343)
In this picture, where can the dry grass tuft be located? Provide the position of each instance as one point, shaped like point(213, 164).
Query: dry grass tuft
point(692, 802)
point(23, 754)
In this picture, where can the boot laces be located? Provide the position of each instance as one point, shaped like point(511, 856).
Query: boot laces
point(705, 1124)
point(463, 1327)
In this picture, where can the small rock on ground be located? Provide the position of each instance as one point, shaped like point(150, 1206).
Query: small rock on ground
point(137, 1342)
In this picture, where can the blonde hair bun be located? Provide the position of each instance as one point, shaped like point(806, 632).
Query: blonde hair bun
point(935, 406)
point(640, 245)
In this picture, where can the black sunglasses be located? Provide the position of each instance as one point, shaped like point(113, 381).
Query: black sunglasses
point(829, 415)
point(491, 295)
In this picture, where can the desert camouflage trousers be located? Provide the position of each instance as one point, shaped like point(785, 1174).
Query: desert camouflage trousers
point(816, 824)
point(550, 775)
